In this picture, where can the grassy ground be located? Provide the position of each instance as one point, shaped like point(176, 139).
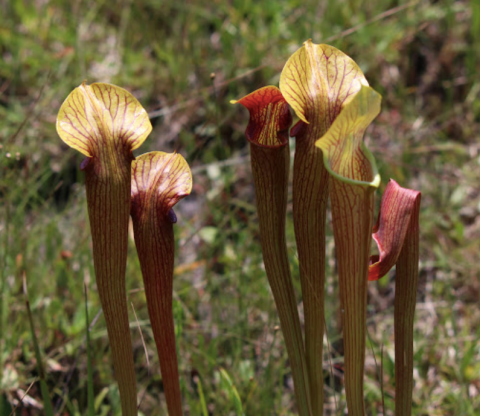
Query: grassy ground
point(422, 56)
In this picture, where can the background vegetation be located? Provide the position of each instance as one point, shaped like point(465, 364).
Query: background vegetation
point(422, 56)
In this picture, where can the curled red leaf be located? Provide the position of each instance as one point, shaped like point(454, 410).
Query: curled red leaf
point(396, 210)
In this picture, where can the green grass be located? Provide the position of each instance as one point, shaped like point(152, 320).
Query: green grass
point(423, 57)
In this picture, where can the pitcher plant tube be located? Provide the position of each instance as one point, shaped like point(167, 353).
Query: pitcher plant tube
point(267, 133)
point(397, 236)
point(354, 181)
point(317, 81)
point(106, 123)
point(159, 181)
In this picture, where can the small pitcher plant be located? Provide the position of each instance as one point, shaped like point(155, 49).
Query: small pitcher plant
point(159, 181)
point(330, 95)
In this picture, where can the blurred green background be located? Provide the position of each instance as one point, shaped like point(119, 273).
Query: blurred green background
point(184, 61)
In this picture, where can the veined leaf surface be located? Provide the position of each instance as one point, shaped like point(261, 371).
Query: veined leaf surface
point(318, 80)
point(160, 180)
point(398, 205)
point(345, 155)
point(270, 117)
point(94, 115)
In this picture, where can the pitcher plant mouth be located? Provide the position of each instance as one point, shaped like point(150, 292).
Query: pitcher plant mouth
point(159, 181)
point(398, 213)
point(106, 123)
point(270, 117)
point(267, 132)
point(345, 155)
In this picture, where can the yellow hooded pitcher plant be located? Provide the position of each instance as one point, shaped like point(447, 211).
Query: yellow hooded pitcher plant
point(106, 123)
point(267, 133)
point(159, 181)
point(320, 83)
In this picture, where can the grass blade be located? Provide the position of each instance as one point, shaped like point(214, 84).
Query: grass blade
point(232, 392)
point(203, 404)
point(3, 298)
point(47, 403)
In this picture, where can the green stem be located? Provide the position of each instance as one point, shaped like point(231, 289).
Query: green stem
point(270, 168)
point(47, 403)
point(3, 292)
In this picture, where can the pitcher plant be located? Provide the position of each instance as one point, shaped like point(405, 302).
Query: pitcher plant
point(106, 123)
point(159, 181)
point(267, 132)
point(330, 95)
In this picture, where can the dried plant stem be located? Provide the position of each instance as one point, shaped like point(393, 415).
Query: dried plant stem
point(406, 282)
point(47, 403)
point(270, 168)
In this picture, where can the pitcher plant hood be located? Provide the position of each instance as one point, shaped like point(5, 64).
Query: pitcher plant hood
point(94, 116)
